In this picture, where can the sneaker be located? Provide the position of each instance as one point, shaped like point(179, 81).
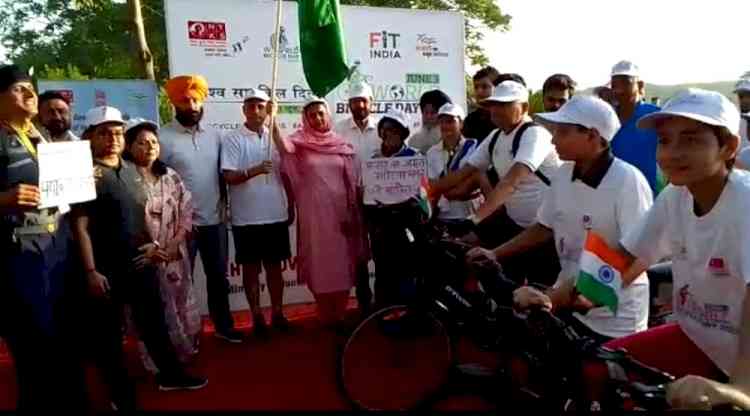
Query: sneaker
point(260, 328)
point(231, 336)
point(280, 323)
point(181, 382)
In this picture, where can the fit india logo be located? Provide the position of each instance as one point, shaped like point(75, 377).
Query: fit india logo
point(286, 52)
point(427, 46)
point(384, 45)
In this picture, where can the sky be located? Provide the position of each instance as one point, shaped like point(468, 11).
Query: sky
point(673, 41)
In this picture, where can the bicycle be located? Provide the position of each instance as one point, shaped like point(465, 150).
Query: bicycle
point(412, 346)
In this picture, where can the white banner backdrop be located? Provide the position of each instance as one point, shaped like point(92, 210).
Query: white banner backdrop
point(401, 53)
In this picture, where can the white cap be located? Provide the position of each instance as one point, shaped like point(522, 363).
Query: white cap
point(103, 114)
point(626, 68)
point(509, 92)
point(588, 111)
point(313, 99)
point(398, 116)
point(708, 107)
point(743, 85)
point(360, 90)
point(135, 122)
point(449, 109)
point(256, 94)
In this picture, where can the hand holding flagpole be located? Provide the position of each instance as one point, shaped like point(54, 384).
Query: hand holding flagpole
point(274, 79)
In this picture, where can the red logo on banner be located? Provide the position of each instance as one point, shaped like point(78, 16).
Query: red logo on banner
point(207, 30)
point(67, 94)
point(100, 98)
point(717, 266)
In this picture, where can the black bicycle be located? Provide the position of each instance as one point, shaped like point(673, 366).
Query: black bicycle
point(403, 357)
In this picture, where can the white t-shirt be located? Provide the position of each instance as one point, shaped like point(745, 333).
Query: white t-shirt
point(366, 142)
point(195, 157)
point(437, 160)
point(745, 140)
point(424, 138)
point(571, 208)
point(744, 157)
point(258, 200)
point(710, 262)
point(536, 151)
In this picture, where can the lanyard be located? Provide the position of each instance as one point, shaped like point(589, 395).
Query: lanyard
point(23, 138)
point(451, 155)
point(26, 142)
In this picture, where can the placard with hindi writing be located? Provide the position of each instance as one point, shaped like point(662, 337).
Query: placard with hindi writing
point(66, 173)
point(392, 180)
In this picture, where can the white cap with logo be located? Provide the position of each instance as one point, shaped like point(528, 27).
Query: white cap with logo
point(138, 121)
point(103, 114)
point(743, 85)
point(449, 109)
point(360, 90)
point(398, 116)
point(588, 111)
point(256, 94)
point(313, 99)
point(626, 68)
point(705, 106)
point(509, 92)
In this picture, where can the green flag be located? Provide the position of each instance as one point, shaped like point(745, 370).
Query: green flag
point(322, 45)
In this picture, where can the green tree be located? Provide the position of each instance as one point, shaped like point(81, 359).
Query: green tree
point(95, 37)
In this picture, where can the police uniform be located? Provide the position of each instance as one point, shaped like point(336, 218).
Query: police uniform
point(33, 267)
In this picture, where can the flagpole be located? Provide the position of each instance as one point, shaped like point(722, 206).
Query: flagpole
point(274, 78)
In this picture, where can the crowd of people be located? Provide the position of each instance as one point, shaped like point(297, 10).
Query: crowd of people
point(654, 183)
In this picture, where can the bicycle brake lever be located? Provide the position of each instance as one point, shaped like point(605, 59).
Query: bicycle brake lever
point(649, 397)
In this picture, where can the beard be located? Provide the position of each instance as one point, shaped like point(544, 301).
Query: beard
point(57, 127)
point(189, 118)
point(360, 114)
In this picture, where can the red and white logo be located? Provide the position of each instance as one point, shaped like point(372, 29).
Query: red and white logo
point(718, 266)
point(100, 99)
point(68, 95)
point(211, 31)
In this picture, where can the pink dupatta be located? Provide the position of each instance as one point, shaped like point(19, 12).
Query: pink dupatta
point(329, 142)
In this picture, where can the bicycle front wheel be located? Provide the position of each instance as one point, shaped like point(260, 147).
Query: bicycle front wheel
point(396, 359)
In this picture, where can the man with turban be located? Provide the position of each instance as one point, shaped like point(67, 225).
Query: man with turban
point(193, 149)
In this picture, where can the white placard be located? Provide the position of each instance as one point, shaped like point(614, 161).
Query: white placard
point(66, 173)
point(392, 180)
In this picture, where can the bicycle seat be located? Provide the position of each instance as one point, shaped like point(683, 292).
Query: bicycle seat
point(660, 273)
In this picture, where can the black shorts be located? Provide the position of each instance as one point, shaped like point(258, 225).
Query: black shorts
point(538, 265)
point(263, 242)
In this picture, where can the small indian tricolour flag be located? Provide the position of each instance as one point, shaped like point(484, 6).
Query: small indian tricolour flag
point(601, 271)
point(424, 196)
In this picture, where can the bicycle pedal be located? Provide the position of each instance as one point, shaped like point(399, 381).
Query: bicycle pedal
point(475, 370)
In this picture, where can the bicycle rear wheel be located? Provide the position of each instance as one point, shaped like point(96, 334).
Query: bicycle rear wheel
point(396, 359)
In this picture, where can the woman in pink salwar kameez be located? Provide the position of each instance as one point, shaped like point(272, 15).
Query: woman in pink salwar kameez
point(168, 219)
point(324, 176)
